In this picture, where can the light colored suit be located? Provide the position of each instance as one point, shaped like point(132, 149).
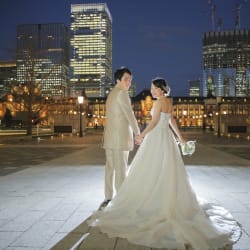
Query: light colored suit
point(118, 138)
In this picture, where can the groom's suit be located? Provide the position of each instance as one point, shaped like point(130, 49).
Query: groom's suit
point(118, 138)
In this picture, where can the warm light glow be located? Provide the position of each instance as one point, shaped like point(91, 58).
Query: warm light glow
point(80, 99)
point(10, 98)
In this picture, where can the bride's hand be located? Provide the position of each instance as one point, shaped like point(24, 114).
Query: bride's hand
point(182, 140)
point(138, 139)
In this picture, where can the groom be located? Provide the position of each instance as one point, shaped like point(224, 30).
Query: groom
point(118, 134)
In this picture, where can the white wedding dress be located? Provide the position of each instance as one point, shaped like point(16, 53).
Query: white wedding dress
point(157, 207)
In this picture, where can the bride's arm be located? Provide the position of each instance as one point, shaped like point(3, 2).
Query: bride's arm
point(174, 126)
point(154, 120)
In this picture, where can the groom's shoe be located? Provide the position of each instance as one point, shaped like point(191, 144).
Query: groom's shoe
point(104, 204)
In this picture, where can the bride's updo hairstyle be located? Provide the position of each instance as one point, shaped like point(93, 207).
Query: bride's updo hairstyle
point(162, 84)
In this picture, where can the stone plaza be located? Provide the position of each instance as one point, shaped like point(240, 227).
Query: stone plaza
point(49, 187)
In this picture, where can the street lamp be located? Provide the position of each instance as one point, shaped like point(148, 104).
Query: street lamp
point(219, 116)
point(80, 101)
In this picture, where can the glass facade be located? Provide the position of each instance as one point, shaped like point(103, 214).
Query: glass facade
point(7, 76)
point(42, 57)
point(226, 58)
point(194, 88)
point(91, 49)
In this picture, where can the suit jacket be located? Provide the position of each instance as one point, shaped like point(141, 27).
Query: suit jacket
point(120, 121)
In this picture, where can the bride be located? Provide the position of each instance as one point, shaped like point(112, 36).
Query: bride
point(156, 205)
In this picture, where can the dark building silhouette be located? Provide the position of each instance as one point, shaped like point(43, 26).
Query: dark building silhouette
point(7, 76)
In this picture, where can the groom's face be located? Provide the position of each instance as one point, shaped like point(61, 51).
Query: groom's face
point(125, 81)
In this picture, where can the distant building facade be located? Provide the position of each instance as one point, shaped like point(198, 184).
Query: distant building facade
point(226, 59)
point(194, 87)
point(7, 76)
point(132, 90)
point(43, 55)
point(227, 116)
point(91, 49)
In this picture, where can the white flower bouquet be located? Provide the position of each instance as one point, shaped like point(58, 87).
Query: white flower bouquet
point(188, 148)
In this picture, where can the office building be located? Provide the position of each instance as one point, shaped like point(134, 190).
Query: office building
point(7, 76)
point(194, 87)
point(91, 49)
point(226, 58)
point(42, 57)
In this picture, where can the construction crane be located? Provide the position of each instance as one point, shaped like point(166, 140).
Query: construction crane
point(212, 13)
point(237, 10)
point(219, 24)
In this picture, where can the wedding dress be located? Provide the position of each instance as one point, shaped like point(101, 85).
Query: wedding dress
point(156, 205)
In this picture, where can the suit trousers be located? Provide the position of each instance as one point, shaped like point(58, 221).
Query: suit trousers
point(115, 171)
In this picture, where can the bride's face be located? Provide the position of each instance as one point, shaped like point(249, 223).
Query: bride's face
point(155, 91)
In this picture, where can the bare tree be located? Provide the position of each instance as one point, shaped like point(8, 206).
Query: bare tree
point(34, 68)
point(42, 64)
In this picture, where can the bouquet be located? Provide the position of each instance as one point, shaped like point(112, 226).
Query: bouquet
point(188, 148)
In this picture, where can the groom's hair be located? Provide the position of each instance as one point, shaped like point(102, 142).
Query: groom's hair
point(120, 72)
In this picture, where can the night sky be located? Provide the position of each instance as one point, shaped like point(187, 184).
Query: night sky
point(151, 37)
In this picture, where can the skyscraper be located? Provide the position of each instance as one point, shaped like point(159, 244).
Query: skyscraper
point(91, 49)
point(226, 58)
point(42, 57)
point(194, 87)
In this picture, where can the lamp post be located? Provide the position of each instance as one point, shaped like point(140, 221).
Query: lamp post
point(204, 124)
point(219, 115)
point(80, 101)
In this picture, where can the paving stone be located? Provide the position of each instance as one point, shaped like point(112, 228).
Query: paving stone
point(54, 240)
point(98, 241)
point(75, 223)
point(38, 235)
point(69, 242)
point(23, 222)
point(6, 238)
point(243, 243)
point(82, 228)
point(22, 248)
point(123, 244)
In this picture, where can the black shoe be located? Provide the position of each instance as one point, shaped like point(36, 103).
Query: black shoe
point(104, 204)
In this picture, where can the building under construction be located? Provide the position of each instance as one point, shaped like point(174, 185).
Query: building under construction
point(226, 59)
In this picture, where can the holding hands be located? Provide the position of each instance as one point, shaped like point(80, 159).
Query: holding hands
point(138, 139)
